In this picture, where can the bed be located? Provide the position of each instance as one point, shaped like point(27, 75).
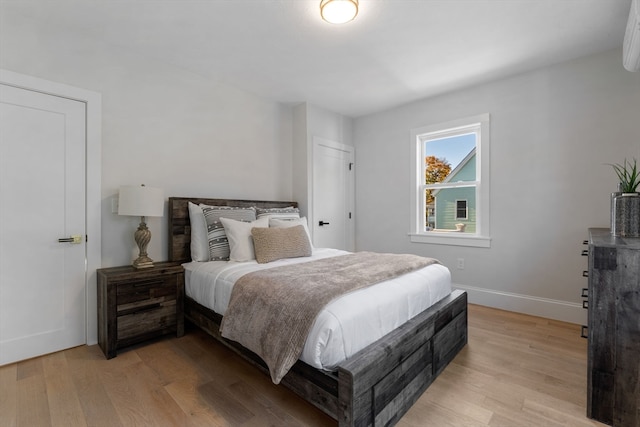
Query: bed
point(373, 387)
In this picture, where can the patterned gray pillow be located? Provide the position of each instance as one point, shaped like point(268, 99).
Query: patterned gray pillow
point(280, 213)
point(218, 242)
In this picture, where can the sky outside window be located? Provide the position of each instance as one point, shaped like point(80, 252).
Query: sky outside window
point(453, 149)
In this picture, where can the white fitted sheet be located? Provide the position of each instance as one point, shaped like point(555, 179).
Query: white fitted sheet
point(347, 324)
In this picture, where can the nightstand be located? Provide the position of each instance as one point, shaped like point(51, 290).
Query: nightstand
point(136, 305)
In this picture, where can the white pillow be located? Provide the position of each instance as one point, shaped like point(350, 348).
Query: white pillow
point(199, 237)
point(239, 236)
point(286, 223)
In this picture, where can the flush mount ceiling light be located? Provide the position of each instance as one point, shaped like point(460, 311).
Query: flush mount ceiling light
point(338, 11)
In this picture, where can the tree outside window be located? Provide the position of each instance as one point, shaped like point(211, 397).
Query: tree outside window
point(437, 169)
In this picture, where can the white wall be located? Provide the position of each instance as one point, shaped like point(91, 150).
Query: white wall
point(162, 126)
point(552, 133)
point(326, 124)
point(311, 121)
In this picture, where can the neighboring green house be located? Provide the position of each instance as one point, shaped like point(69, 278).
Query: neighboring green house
point(457, 205)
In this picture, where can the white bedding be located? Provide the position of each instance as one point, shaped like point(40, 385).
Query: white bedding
point(347, 324)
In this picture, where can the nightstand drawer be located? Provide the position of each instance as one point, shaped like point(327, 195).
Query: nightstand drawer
point(148, 289)
point(140, 305)
point(146, 319)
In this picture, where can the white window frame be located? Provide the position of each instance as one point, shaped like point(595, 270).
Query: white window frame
point(480, 125)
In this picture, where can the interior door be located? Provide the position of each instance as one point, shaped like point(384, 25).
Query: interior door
point(332, 195)
point(42, 200)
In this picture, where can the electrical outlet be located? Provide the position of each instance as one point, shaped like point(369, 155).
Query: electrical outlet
point(460, 263)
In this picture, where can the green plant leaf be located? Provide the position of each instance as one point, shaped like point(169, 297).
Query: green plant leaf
point(628, 174)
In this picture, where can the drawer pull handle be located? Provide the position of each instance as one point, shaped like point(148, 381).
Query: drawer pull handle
point(585, 273)
point(585, 293)
point(585, 242)
point(585, 305)
point(148, 283)
point(139, 310)
point(584, 332)
point(585, 252)
point(148, 308)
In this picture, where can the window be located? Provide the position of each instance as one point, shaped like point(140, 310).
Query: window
point(461, 209)
point(450, 190)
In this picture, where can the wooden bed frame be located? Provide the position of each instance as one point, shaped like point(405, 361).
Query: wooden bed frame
point(374, 387)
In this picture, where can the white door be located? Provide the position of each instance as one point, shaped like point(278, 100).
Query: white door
point(332, 195)
point(42, 200)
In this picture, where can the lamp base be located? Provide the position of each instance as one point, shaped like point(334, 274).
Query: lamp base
point(143, 262)
point(142, 237)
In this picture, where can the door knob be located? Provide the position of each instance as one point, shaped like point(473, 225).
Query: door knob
point(76, 238)
point(321, 223)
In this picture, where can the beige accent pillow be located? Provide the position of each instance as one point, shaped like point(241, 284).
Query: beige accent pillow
point(285, 223)
point(272, 244)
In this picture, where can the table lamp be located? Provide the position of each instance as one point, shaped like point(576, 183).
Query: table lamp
point(142, 201)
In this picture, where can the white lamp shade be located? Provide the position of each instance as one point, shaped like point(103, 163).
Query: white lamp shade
point(139, 200)
point(338, 11)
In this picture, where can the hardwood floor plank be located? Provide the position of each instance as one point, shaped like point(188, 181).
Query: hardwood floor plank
point(86, 365)
point(8, 395)
point(555, 415)
point(33, 405)
point(224, 403)
point(516, 371)
point(29, 368)
point(519, 419)
point(507, 411)
point(266, 412)
point(152, 396)
point(64, 405)
point(198, 412)
point(138, 398)
point(428, 414)
point(169, 363)
point(230, 369)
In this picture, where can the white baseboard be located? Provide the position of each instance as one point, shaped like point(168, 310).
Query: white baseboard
point(543, 307)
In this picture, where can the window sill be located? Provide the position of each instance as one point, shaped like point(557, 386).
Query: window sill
point(453, 239)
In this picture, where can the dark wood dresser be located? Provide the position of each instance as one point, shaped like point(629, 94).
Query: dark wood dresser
point(136, 305)
point(613, 329)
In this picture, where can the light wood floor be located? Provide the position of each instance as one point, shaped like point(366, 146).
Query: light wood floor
point(517, 370)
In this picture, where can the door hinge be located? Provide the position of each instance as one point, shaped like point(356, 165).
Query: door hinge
point(349, 215)
point(350, 166)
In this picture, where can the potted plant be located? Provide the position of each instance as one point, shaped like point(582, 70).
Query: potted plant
point(625, 204)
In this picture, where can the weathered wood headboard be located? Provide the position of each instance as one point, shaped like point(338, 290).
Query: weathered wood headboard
point(180, 225)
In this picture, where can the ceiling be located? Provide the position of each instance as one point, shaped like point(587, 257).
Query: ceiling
point(394, 52)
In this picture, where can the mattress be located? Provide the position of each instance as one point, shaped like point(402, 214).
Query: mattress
point(348, 323)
